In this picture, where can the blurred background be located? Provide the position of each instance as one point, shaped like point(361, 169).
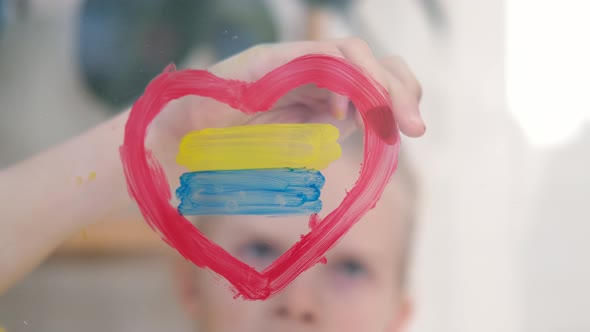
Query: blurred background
point(502, 237)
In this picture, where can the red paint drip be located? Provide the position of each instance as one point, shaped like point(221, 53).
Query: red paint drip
point(147, 183)
point(314, 220)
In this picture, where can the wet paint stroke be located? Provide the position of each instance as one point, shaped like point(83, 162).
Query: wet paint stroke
point(311, 145)
point(148, 186)
point(270, 192)
point(268, 169)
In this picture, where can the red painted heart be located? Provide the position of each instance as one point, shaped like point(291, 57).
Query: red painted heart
point(147, 183)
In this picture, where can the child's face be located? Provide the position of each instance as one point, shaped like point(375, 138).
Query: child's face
point(359, 289)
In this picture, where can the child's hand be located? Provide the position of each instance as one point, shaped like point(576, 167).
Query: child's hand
point(304, 104)
point(391, 72)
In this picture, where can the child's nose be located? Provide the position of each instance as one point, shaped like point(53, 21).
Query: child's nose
point(299, 302)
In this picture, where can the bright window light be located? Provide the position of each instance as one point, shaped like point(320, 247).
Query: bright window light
point(548, 67)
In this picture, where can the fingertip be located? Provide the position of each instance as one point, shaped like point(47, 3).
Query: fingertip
point(407, 114)
point(338, 106)
point(415, 127)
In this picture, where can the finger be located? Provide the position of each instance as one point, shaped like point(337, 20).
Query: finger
point(405, 105)
point(338, 106)
point(405, 108)
point(257, 61)
point(397, 66)
point(343, 109)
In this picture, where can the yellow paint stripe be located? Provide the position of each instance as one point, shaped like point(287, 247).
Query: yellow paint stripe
point(260, 146)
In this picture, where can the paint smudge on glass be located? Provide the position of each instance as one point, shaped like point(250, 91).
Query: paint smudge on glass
point(312, 145)
point(272, 192)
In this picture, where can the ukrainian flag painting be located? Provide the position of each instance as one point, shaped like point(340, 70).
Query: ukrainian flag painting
point(270, 169)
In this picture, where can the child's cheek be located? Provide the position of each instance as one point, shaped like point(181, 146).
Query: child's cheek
point(344, 287)
point(224, 313)
point(347, 285)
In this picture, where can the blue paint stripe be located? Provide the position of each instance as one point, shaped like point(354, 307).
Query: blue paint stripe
point(280, 191)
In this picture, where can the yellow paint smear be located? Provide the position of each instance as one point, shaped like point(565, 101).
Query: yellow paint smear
point(92, 176)
point(260, 146)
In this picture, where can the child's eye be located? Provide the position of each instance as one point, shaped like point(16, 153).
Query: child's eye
point(259, 249)
point(258, 254)
point(351, 268)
